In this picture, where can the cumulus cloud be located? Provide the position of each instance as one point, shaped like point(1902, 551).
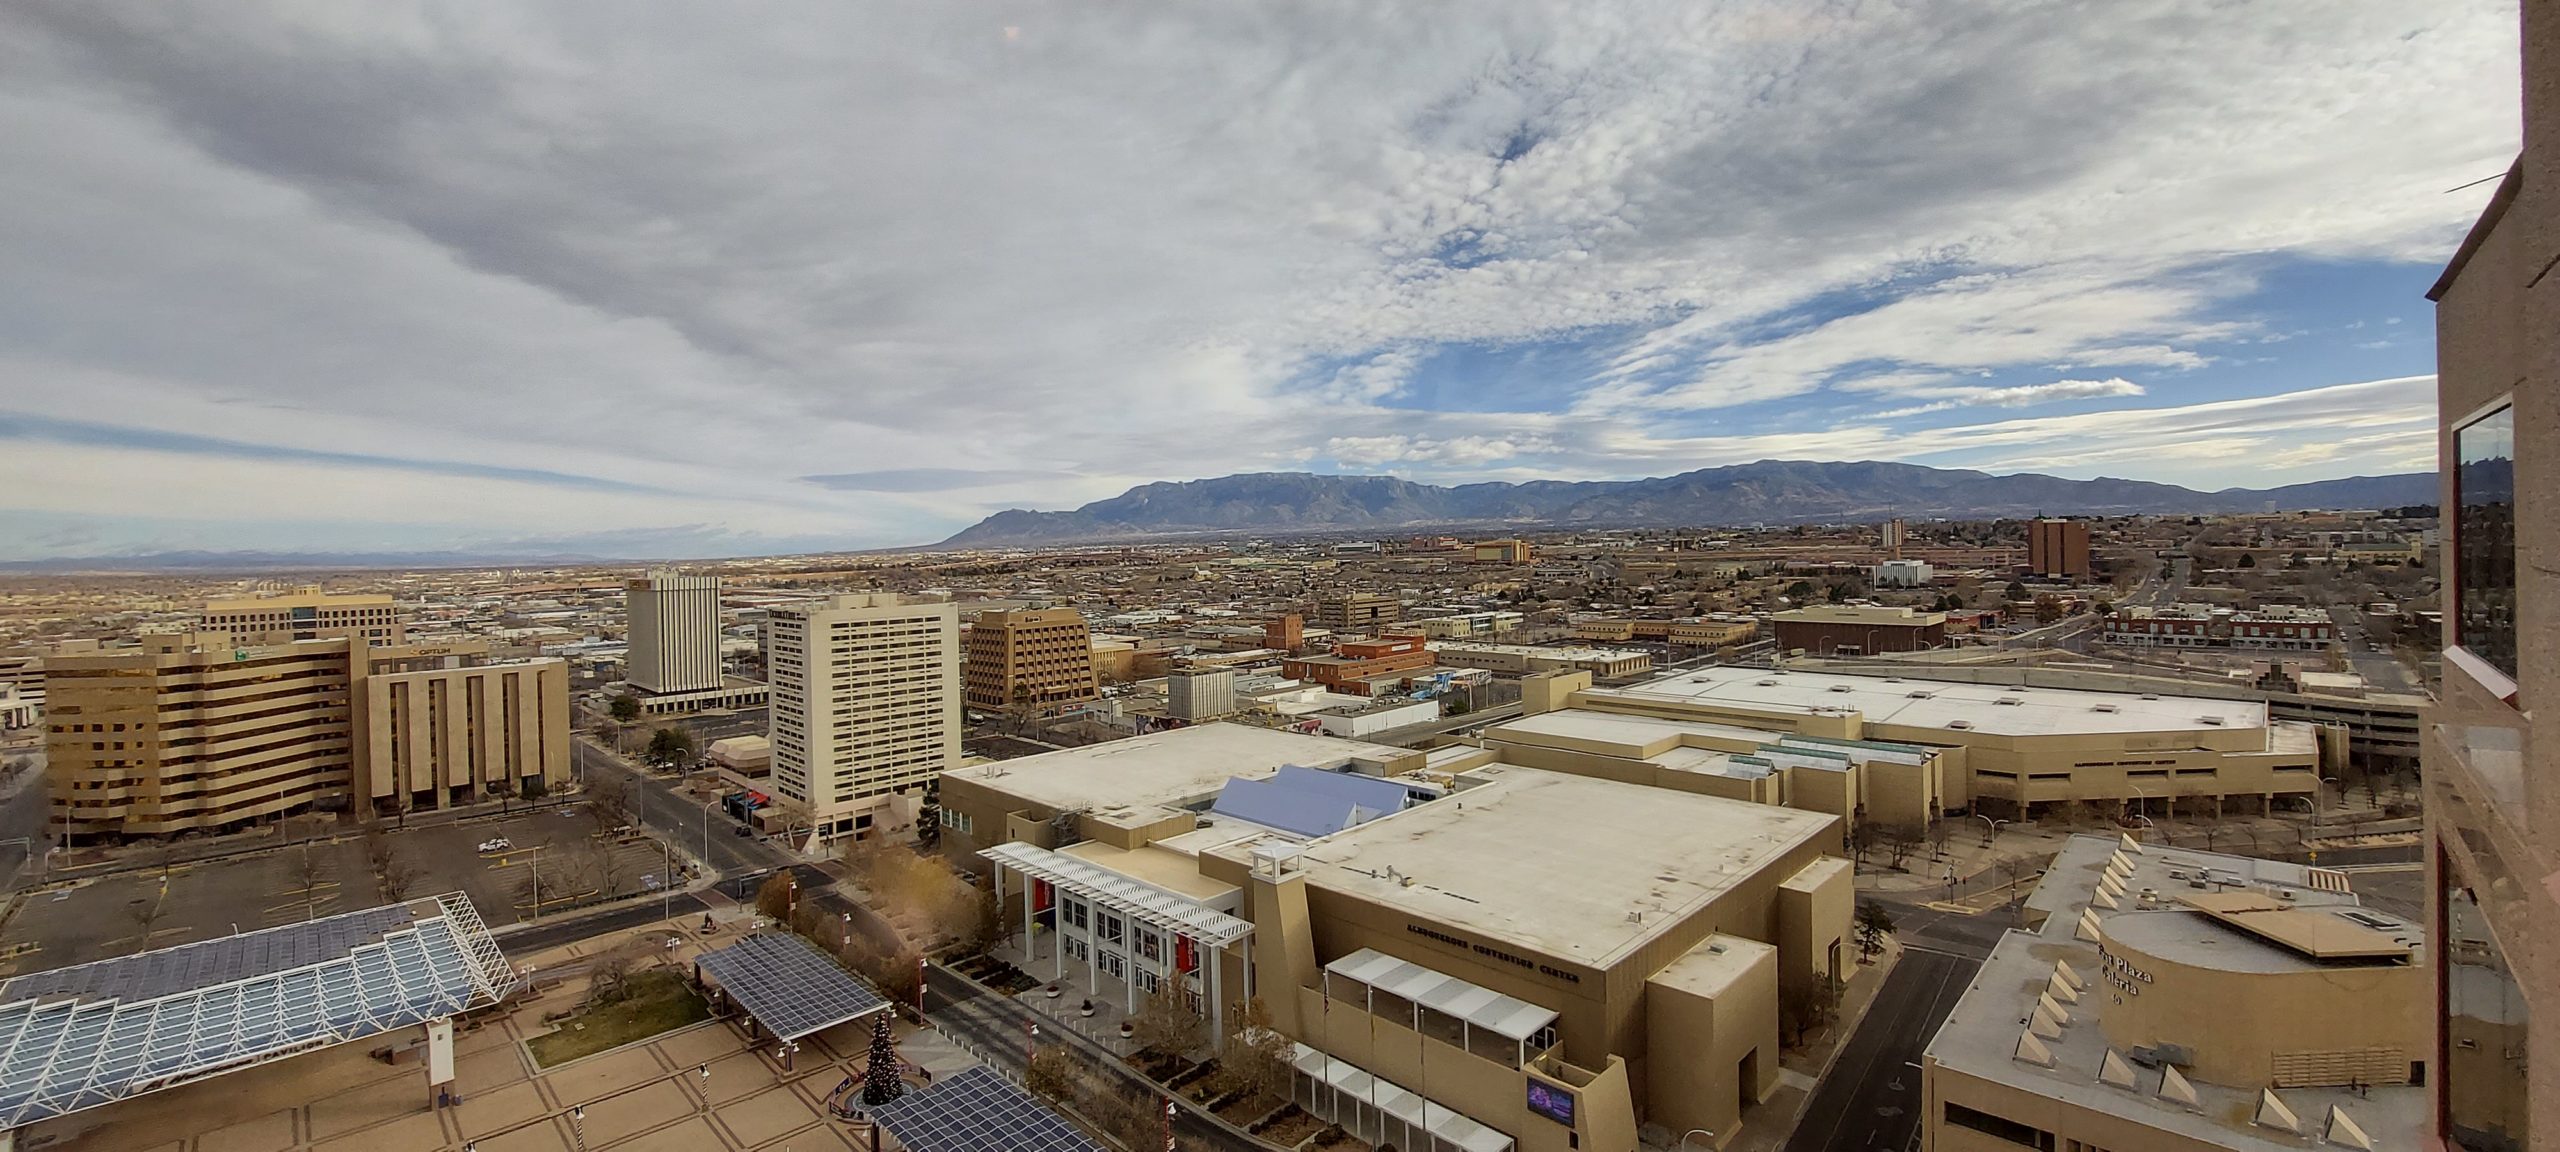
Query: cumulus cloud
point(943, 256)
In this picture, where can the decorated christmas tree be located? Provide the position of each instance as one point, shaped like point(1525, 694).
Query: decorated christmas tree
point(880, 1083)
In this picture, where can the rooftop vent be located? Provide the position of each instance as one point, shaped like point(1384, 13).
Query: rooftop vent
point(1922, 695)
point(2008, 700)
point(2150, 695)
point(2106, 708)
point(2213, 721)
point(1766, 683)
point(1840, 688)
point(1959, 724)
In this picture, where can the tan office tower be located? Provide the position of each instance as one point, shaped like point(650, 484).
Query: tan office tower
point(2058, 548)
point(866, 703)
point(200, 733)
point(1032, 660)
point(1361, 612)
point(304, 614)
point(2492, 748)
point(674, 633)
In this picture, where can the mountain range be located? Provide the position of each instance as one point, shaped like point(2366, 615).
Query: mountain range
point(1767, 491)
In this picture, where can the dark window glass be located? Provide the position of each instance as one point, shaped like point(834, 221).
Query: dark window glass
point(2484, 539)
point(2003, 1127)
point(2485, 1097)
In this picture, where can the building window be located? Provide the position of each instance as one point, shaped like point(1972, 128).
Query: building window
point(2484, 539)
point(1110, 929)
point(2024, 1135)
point(2486, 1100)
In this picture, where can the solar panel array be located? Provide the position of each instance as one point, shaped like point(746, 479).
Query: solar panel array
point(63, 1055)
point(789, 986)
point(219, 961)
point(978, 1111)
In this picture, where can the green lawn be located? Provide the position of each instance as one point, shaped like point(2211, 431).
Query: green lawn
point(659, 1002)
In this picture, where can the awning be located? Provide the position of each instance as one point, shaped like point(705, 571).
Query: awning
point(1480, 1007)
point(1131, 897)
point(1395, 1100)
point(789, 986)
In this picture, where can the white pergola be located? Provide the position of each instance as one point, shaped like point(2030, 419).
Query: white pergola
point(1212, 930)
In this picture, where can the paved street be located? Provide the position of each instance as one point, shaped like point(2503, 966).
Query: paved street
point(1871, 1099)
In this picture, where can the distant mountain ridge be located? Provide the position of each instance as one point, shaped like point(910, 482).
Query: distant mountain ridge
point(1767, 491)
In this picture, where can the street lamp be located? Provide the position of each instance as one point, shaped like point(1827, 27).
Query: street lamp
point(1995, 828)
point(578, 1126)
point(1684, 1137)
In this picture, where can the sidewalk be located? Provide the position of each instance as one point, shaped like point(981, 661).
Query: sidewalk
point(1769, 1124)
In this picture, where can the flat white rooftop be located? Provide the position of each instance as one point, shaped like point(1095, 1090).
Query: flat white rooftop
point(1933, 703)
point(1172, 768)
point(1555, 863)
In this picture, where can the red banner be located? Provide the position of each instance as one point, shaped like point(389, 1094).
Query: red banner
point(1186, 957)
point(1041, 895)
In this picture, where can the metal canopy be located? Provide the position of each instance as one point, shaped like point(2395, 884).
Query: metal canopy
point(88, 1035)
point(978, 1111)
point(1480, 1007)
point(1112, 890)
point(1350, 1079)
point(789, 986)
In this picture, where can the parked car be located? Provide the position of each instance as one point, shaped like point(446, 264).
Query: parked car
point(743, 830)
point(499, 844)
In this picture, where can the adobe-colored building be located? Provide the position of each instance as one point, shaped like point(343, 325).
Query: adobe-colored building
point(1859, 629)
point(1355, 660)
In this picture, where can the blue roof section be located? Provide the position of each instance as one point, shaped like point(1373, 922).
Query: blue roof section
point(1370, 792)
point(1275, 805)
point(1310, 801)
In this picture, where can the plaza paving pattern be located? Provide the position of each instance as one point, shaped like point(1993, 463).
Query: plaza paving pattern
point(643, 1097)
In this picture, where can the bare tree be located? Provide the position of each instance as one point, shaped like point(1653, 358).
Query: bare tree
point(1939, 831)
point(309, 874)
point(396, 875)
point(146, 915)
point(1807, 1006)
point(610, 869)
point(609, 978)
point(1051, 1075)
point(609, 797)
point(1257, 1056)
point(1900, 841)
point(1165, 1022)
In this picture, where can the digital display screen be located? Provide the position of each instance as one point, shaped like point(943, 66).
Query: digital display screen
point(1551, 1102)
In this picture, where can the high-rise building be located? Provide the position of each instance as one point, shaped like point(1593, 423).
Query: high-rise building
point(866, 704)
point(1893, 539)
point(1358, 612)
point(303, 614)
point(2058, 548)
point(1030, 659)
point(674, 633)
point(1200, 693)
point(2492, 746)
point(202, 733)
point(1285, 634)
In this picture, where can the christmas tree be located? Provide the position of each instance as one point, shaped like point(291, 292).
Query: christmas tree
point(880, 1083)
point(929, 816)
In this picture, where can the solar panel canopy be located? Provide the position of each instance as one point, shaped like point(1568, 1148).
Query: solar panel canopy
point(978, 1111)
point(789, 986)
point(88, 1035)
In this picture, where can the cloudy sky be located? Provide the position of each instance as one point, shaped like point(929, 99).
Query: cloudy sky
point(657, 279)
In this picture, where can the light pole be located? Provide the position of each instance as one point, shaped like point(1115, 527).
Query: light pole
point(578, 1126)
point(1994, 834)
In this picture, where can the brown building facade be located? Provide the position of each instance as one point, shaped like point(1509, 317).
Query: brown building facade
point(307, 614)
point(1357, 660)
point(1358, 612)
point(196, 733)
point(2492, 748)
point(2058, 548)
point(1033, 659)
point(1858, 630)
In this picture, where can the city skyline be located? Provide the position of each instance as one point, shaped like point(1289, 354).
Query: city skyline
point(434, 278)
